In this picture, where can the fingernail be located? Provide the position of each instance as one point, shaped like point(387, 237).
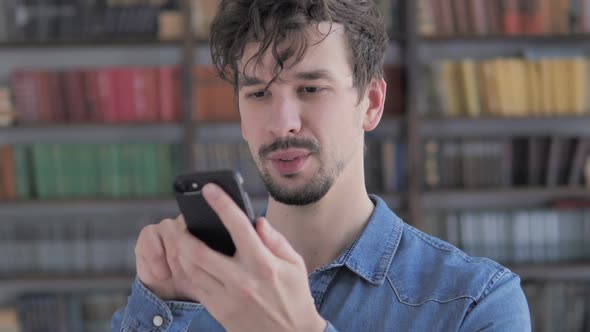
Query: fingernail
point(211, 191)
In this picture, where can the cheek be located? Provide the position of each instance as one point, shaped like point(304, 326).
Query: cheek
point(249, 123)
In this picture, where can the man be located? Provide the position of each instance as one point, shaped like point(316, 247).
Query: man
point(327, 256)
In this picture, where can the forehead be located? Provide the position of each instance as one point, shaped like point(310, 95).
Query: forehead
point(327, 50)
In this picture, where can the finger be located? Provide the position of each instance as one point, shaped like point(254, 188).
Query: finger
point(151, 249)
point(276, 242)
point(181, 221)
point(195, 254)
point(202, 284)
point(169, 234)
point(234, 219)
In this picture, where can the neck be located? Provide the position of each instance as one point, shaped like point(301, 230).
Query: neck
point(320, 232)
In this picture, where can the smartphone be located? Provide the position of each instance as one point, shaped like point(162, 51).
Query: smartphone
point(200, 218)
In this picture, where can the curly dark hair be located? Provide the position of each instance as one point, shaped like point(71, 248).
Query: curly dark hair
point(271, 22)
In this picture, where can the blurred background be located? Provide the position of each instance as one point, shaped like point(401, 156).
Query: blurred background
point(485, 142)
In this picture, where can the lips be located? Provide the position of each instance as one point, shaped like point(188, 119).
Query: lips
point(288, 155)
point(289, 162)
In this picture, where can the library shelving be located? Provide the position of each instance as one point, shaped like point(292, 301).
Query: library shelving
point(410, 49)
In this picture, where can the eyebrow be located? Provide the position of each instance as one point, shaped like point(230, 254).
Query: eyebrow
point(312, 75)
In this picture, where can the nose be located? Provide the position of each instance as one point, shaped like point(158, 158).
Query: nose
point(285, 119)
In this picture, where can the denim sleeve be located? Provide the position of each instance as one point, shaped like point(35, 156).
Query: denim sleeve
point(145, 311)
point(501, 307)
point(330, 328)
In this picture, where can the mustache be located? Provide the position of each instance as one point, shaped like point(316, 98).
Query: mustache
point(285, 143)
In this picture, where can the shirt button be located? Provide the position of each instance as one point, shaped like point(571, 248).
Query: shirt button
point(158, 320)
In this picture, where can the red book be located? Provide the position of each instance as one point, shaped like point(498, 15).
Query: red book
point(150, 94)
point(56, 97)
point(169, 96)
point(138, 95)
point(46, 106)
point(534, 17)
point(145, 94)
point(124, 96)
point(213, 97)
point(74, 92)
point(511, 17)
point(107, 88)
point(92, 98)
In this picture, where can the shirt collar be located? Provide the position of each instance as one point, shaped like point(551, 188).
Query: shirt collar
point(372, 252)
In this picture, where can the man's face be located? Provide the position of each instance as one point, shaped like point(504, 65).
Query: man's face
point(306, 128)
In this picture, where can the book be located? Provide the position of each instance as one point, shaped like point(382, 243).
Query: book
point(213, 97)
point(425, 17)
point(9, 320)
point(394, 101)
point(107, 95)
point(541, 84)
point(169, 85)
point(8, 173)
point(503, 17)
point(7, 114)
point(203, 12)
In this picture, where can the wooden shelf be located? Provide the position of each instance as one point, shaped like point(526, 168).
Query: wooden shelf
point(76, 56)
point(505, 127)
point(433, 48)
point(553, 272)
point(88, 43)
point(121, 206)
point(514, 198)
point(92, 133)
point(125, 206)
point(231, 132)
point(517, 39)
point(16, 286)
point(78, 207)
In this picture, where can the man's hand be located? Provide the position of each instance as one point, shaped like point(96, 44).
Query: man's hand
point(264, 287)
point(157, 260)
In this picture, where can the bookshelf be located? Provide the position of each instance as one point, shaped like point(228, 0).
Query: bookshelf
point(554, 272)
point(409, 48)
point(432, 48)
point(92, 133)
point(543, 281)
point(510, 198)
point(167, 206)
point(505, 127)
point(520, 217)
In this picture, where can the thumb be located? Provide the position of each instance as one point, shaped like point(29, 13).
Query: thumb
point(275, 241)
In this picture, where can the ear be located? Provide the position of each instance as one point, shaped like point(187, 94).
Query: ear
point(376, 96)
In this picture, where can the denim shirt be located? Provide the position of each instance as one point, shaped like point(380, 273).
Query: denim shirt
point(392, 278)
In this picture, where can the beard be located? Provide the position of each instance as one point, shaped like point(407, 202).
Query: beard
point(308, 193)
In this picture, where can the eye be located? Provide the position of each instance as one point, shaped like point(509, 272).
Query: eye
point(257, 94)
point(311, 89)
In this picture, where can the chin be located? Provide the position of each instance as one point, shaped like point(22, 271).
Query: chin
point(308, 192)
